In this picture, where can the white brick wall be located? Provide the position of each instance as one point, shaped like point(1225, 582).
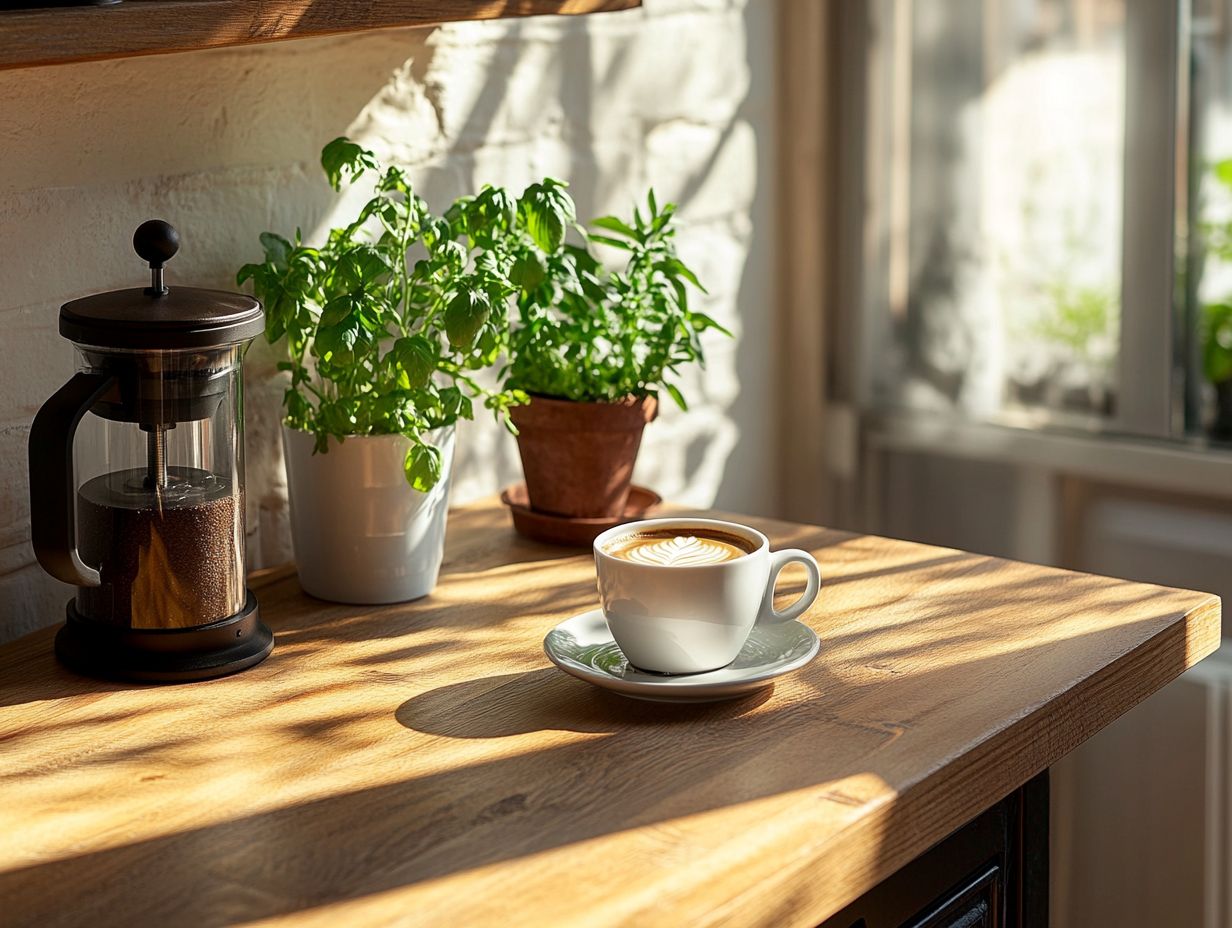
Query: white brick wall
point(678, 95)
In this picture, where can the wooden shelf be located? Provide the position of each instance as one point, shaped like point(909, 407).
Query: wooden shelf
point(56, 35)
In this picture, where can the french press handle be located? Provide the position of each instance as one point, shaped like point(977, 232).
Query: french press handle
point(53, 495)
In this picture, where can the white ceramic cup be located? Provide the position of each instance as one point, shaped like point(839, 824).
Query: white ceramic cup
point(693, 619)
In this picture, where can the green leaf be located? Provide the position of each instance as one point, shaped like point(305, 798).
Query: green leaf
point(701, 322)
point(677, 268)
point(546, 227)
point(338, 343)
point(493, 210)
point(674, 392)
point(298, 409)
point(248, 272)
point(545, 210)
point(465, 316)
point(277, 249)
point(422, 467)
point(417, 356)
point(363, 267)
point(344, 156)
point(338, 309)
point(613, 242)
point(453, 255)
point(455, 405)
point(612, 224)
point(528, 271)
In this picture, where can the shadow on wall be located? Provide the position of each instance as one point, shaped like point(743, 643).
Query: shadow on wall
point(610, 105)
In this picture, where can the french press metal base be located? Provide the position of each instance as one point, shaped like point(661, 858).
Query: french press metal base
point(164, 655)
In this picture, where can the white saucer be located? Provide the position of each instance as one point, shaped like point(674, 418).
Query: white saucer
point(583, 647)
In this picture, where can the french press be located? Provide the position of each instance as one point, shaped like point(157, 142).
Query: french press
point(137, 480)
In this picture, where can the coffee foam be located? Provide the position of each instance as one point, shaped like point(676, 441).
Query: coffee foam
point(667, 549)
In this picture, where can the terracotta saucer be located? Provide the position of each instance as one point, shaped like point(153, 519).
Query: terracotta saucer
point(562, 530)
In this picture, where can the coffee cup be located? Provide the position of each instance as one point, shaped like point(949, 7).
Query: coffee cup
point(682, 595)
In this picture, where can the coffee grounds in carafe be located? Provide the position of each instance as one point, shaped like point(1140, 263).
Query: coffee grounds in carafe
point(169, 558)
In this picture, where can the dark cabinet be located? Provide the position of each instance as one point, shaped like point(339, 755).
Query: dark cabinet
point(991, 873)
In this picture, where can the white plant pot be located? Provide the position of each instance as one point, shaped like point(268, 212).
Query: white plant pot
point(361, 534)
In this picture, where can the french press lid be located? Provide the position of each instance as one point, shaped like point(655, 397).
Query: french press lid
point(159, 316)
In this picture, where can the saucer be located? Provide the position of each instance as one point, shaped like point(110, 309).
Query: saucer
point(564, 530)
point(583, 647)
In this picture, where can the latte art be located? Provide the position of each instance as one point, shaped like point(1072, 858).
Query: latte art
point(673, 548)
point(683, 551)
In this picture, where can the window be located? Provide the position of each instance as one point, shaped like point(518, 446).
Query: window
point(1025, 171)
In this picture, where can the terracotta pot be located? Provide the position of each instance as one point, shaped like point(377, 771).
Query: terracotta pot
point(578, 457)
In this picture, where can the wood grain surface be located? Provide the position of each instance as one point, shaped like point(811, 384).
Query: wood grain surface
point(424, 764)
point(150, 27)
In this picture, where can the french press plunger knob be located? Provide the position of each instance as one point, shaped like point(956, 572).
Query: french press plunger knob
point(156, 242)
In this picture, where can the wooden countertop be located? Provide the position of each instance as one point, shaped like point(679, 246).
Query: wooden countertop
point(424, 763)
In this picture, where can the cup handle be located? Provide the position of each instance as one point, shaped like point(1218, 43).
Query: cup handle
point(778, 560)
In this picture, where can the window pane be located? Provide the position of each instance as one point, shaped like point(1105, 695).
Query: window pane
point(1208, 285)
point(1003, 255)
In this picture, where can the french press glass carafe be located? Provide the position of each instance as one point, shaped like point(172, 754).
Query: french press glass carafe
point(137, 480)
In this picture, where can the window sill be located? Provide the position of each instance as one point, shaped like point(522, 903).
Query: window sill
point(1179, 466)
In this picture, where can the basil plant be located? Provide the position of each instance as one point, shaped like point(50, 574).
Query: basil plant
point(385, 324)
point(591, 334)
